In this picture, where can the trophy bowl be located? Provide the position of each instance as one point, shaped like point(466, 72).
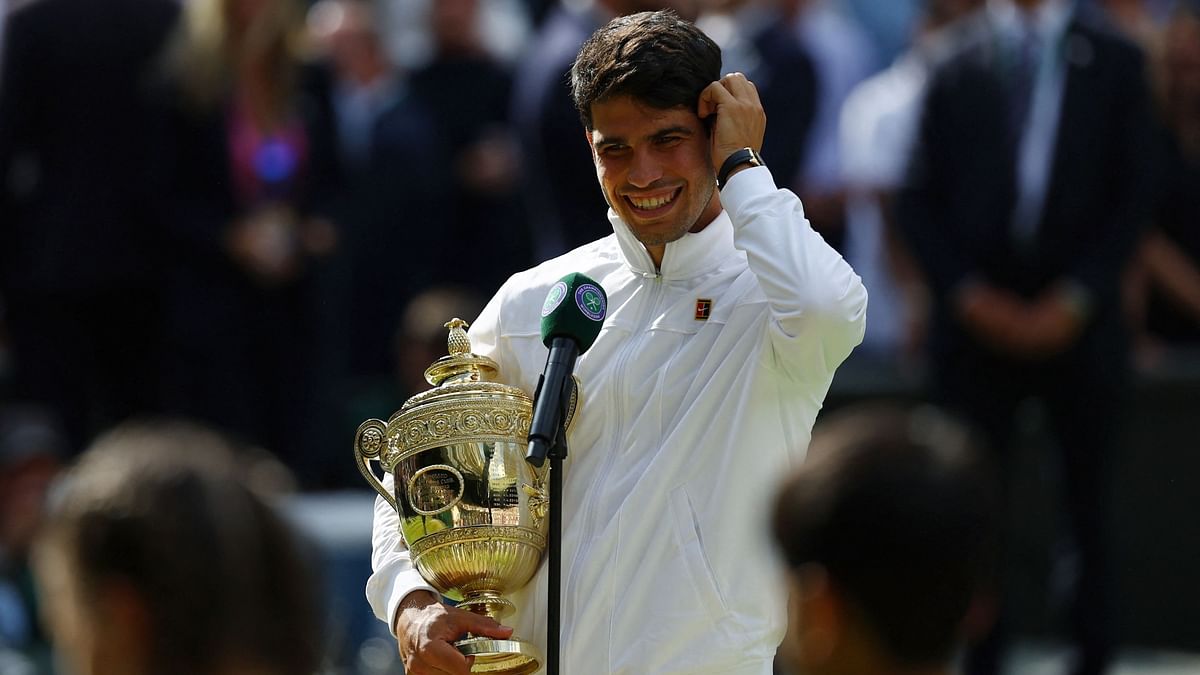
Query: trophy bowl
point(472, 510)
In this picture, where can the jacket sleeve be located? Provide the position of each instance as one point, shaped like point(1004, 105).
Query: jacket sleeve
point(393, 574)
point(817, 303)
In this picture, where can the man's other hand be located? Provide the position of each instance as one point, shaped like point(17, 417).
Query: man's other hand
point(425, 629)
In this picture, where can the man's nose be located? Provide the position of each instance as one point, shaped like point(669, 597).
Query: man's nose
point(645, 169)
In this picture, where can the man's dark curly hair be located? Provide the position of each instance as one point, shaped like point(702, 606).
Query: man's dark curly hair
point(654, 57)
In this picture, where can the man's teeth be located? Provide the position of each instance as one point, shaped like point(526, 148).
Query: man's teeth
point(652, 202)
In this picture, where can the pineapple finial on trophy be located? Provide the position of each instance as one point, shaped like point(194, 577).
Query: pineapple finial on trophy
point(458, 342)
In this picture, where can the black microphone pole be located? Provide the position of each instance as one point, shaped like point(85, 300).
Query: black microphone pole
point(558, 452)
point(572, 318)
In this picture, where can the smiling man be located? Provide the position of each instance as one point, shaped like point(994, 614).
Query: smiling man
point(727, 317)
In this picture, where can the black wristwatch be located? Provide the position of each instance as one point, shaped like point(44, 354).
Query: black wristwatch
point(743, 156)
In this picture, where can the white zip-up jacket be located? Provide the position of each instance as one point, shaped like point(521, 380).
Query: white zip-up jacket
point(685, 425)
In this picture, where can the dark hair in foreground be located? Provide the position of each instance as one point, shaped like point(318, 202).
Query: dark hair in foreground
point(898, 509)
point(165, 511)
point(654, 57)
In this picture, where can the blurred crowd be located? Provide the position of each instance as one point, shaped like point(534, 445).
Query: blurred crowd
point(258, 214)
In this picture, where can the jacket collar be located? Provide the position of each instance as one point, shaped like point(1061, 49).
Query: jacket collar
point(690, 256)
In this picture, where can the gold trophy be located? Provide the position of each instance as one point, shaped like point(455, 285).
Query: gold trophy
point(472, 510)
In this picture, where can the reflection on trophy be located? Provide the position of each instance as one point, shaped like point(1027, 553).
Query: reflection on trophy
point(472, 510)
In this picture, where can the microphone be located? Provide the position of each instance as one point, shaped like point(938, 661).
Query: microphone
point(571, 319)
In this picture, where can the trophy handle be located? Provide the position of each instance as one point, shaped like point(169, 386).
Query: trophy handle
point(369, 442)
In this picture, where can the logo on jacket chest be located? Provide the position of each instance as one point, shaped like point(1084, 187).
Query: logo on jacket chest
point(703, 309)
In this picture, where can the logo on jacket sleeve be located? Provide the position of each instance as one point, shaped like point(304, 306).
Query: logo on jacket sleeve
point(554, 298)
point(703, 309)
point(590, 301)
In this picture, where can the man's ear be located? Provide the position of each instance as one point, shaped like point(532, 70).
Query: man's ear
point(817, 622)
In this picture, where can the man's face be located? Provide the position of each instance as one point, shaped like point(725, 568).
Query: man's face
point(655, 169)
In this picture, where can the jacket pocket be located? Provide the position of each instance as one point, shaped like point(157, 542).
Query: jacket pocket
point(699, 570)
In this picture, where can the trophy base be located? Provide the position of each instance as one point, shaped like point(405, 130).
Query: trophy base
point(506, 657)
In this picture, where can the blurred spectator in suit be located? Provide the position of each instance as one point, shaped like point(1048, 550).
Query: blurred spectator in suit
point(468, 90)
point(843, 57)
point(564, 208)
point(396, 208)
point(33, 447)
point(254, 168)
point(877, 128)
point(888, 533)
point(755, 40)
point(1031, 181)
point(159, 556)
point(1169, 258)
point(81, 246)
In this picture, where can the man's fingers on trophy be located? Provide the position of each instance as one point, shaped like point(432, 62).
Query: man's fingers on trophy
point(436, 657)
point(486, 626)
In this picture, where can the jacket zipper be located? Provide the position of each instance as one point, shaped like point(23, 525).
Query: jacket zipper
point(616, 401)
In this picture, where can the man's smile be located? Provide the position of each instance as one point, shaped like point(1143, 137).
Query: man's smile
point(654, 204)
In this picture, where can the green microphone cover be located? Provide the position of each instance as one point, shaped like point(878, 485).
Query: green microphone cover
point(575, 308)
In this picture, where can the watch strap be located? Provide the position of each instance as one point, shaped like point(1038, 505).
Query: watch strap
point(738, 158)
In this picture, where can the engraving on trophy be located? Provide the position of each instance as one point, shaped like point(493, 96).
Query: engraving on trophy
point(504, 497)
point(435, 489)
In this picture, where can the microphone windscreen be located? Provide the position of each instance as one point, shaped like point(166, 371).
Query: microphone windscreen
point(575, 308)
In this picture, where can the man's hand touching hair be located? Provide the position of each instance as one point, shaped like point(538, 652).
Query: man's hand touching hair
point(740, 120)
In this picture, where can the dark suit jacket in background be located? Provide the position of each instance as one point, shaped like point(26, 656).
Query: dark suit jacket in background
point(76, 148)
point(81, 242)
point(956, 212)
point(957, 208)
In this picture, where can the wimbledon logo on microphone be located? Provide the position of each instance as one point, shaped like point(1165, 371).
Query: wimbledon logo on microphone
point(558, 292)
point(590, 301)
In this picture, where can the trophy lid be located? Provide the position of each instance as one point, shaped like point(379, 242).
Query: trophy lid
point(461, 365)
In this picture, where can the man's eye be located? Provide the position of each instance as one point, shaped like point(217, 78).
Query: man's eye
point(668, 141)
point(614, 150)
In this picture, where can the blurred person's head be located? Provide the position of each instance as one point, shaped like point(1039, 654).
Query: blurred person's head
point(221, 43)
point(939, 13)
point(33, 446)
point(887, 533)
point(348, 33)
point(421, 336)
point(156, 557)
point(455, 27)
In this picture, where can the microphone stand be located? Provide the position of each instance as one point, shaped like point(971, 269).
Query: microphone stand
point(557, 453)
